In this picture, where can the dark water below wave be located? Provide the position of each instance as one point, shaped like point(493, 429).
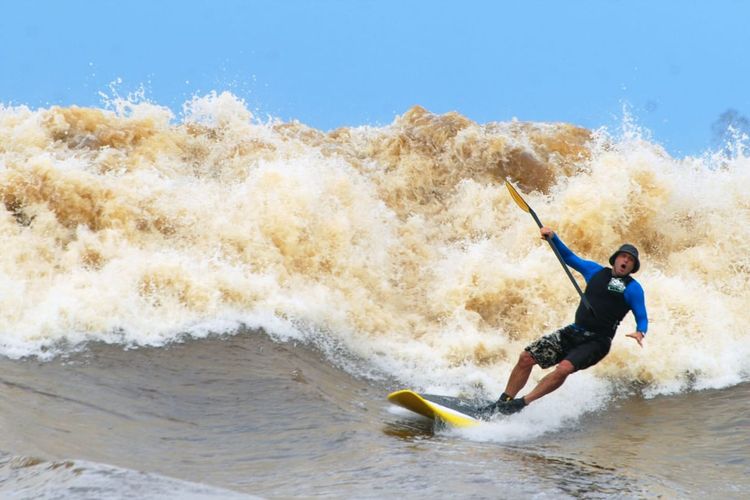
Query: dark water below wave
point(246, 414)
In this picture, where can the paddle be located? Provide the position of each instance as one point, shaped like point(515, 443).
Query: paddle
point(526, 208)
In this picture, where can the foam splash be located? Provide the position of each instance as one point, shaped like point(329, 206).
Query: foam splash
point(397, 243)
point(581, 394)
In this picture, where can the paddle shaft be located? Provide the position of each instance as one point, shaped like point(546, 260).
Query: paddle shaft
point(585, 301)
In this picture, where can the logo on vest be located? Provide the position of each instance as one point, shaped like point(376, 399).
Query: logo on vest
point(616, 285)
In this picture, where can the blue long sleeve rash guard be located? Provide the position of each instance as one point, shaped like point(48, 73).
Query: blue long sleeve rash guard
point(634, 295)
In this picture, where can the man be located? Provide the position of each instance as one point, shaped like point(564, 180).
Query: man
point(612, 292)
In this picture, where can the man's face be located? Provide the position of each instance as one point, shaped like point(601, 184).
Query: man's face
point(624, 263)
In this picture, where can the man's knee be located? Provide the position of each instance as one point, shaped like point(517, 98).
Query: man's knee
point(526, 360)
point(565, 367)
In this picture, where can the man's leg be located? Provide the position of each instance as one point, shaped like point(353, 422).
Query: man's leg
point(551, 381)
point(584, 355)
point(546, 351)
point(520, 374)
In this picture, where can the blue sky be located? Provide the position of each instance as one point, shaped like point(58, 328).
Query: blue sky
point(328, 63)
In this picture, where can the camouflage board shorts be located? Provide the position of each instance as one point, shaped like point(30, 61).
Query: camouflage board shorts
point(583, 349)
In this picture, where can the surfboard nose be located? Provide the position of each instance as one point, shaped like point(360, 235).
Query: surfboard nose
point(450, 410)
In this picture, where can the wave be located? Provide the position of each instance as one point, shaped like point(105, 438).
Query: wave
point(398, 244)
point(28, 477)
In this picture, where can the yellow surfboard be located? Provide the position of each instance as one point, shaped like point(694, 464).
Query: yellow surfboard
point(452, 411)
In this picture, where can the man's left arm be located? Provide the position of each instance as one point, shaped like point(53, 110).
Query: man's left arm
point(636, 299)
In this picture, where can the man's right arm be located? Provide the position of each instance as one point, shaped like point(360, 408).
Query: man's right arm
point(586, 267)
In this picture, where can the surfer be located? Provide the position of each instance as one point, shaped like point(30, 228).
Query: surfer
point(611, 293)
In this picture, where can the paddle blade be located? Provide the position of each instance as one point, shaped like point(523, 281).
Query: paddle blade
point(517, 197)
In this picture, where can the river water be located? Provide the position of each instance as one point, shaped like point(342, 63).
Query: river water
point(277, 420)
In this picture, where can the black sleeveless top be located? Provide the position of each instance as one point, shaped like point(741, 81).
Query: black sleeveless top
point(606, 294)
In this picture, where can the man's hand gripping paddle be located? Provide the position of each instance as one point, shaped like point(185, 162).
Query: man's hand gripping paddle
point(526, 208)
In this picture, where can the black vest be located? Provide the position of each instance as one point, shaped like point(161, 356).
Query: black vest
point(606, 294)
